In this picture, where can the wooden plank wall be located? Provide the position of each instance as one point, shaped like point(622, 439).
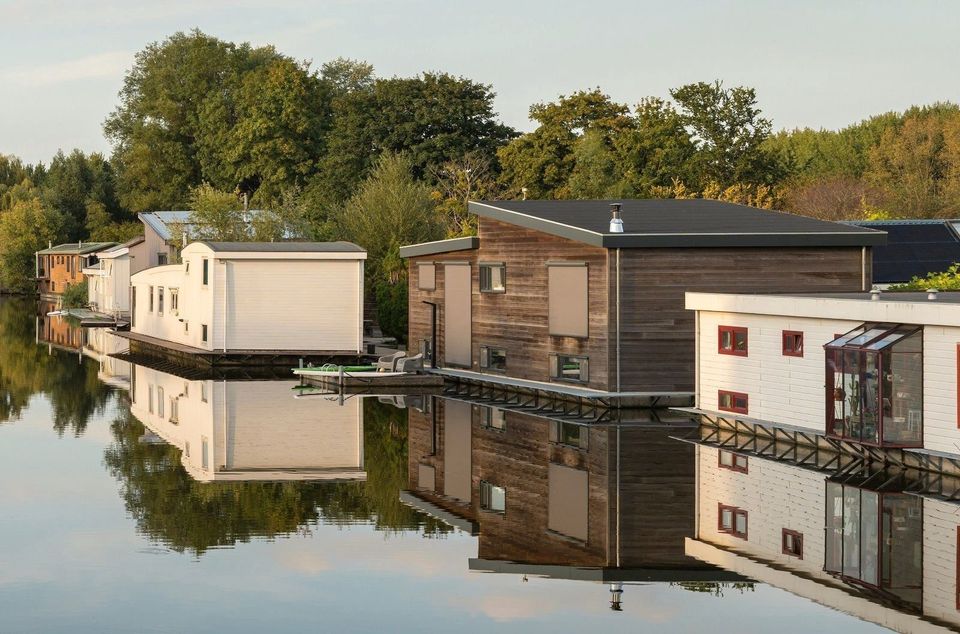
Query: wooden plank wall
point(657, 333)
point(418, 326)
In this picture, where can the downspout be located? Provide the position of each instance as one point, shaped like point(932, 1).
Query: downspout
point(618, 333)
point(619, 425)
point(696, 360)
point(863, 269)
point(226, 275)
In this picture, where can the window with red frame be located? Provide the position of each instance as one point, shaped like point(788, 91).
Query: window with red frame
point(732, 401)
point(732, 340)
point(792, 543)
point(792, 343)
point(732, 520)
point(732, 461)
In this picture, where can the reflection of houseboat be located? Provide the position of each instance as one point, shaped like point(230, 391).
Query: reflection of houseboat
point(101, 345)
point(876, 369)
point(250, 430)
point(554, 498)
point(58, 331)
point(856, 542)
point(560, 292)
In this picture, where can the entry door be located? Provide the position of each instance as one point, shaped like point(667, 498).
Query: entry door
point(456, 314)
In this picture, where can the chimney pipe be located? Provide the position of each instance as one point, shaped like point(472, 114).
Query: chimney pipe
point(932, 294)
point(616, 223)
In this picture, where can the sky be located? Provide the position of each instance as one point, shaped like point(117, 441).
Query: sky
point(813, 63)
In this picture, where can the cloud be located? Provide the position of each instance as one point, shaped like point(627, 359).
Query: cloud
point(109, 64)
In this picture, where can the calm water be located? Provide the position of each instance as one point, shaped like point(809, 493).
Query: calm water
point(135, 500)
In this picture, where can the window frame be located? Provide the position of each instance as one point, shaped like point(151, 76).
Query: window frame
point(205, 272)
point(160, 294)
point(485, 276)
point(484, 490)
point(494, 418)
point(151, 302)
point(733, 466)
point(734, 396)
point(791, 335)
point(735, 511)
point(484, 359)
point(797, 539)
point(733, 331)
point(556, 373)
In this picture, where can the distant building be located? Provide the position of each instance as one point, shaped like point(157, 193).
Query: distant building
point(61, 266)
point(108, 280)
point(550, 291)
point(253, 298)
point(861, 369)
point(914, 248)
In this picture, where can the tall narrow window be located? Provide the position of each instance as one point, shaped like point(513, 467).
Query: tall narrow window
point(174, 301)
point(151, 298)
point(160, 406)
point(203, 333)
point(426, 276)
point(732, 520)
point(732, 340)
point(205, 272)
point(732, 402)
point(203, 391)
point(150, 399)
point(204, 453)
point(567, 301)
point(792, 543)
point(159, 300)
point(792, 343)
point(493, 278)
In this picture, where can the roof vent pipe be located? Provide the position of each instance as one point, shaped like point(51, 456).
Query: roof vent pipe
point(932, 294)
point(616, 223)
point(875, 294)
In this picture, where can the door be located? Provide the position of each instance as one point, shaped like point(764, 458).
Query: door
point(457, 311)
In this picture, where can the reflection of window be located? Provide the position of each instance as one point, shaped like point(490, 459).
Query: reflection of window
point(493, 359)
point(203, 391)
point(732, 461)
point(732, 520)
point(160, 402)
point(732, 402)
point(569, 368)
point(732, 340)
point(426, 276)
point(204, 453)
point(150, 399)
point(493, 278)
point(492, 497)
point(792, 343)
point(570, 434)
point(792, 543)
point(186, 448)
point(174, 410)
point(493, 418)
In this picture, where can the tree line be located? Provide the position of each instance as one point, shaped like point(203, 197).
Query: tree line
point(337, 152)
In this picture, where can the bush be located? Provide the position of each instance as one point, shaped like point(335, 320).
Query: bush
point(949, 280)
point(75, 295)
point(392, 308)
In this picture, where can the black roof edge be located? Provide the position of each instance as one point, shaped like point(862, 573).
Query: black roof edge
point(439, 246)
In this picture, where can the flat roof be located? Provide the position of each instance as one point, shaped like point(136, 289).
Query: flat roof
point(283, 247)
point(659, 223)
point(77, 248)
point(440, 246)
point(915, 248)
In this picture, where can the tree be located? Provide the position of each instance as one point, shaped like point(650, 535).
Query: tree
point(25, 228)
point(74, 180)
point(347, 75)
point(101, 227)
point(283, 217)
point(655, 150)
point(216, 215)
point(457, 182)
point(729, 132)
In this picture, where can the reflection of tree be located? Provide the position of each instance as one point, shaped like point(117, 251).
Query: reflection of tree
point(715, 588)
point(26, 369)
point(193, 516)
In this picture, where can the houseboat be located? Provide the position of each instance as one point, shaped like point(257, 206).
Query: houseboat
point(234, 430)
point(108, 279)
point(874, 370)
point(252, 301)
point(58, 267)
point(587, 297)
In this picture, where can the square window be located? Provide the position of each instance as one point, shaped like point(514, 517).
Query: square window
point(792, 343)
point(492, 497)
point(732, 461)
point(732, 402)
point(494, 359)
point(732, 340)
point(570, 434)
point(493, 278)
point(569, 368)
point(493, 418)
point(792, 543)
point(732, 520)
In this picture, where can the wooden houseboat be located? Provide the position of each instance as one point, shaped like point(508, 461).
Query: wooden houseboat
point(875, 369)
point(587, 296)
point(58, 267)
point(252, 300)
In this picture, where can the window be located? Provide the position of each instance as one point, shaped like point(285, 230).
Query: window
point(732, 340)
point(732, 461)
point(792, 543)
point(732, 402)
point(567, 301)
point(205, 272)
point(492, 498)
point(792, 343)
point(732, 520)
point(494, 359)
point(203, 333)
point(69, 265)
point(204, 453)
point(426, 276)
point(569, 368)
point(151, 299)
point(159, 300)
point(174, 300)
point(203, 391)
point(186, 448)
point(493, 278)
point(150, 399)
point(569, 434)
point(161, 259)
point(174, 410)
point(186, 327)
point(186, 267)
point(133, 306)
point(493, 418)
point(160, 402)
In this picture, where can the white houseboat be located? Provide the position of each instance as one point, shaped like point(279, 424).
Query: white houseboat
point(253, 298)
point(866, 369)
point(108, 280)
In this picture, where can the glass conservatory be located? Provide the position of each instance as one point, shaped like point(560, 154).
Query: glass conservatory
point(875, 385)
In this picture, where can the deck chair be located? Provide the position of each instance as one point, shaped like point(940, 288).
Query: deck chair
point(389, 362)
point(410, 364)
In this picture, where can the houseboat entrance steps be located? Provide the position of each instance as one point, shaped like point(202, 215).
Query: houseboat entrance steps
point(466, 382)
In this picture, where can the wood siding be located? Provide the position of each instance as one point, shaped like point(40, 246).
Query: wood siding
point(657, 333)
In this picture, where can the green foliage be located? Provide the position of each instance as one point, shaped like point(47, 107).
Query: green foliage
point(101, 227)
point(216, 215)
point(948, 280)
point(25, 228)
point(391, 298)
point(72, 182)
point(75, 295)
point(471, 177)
